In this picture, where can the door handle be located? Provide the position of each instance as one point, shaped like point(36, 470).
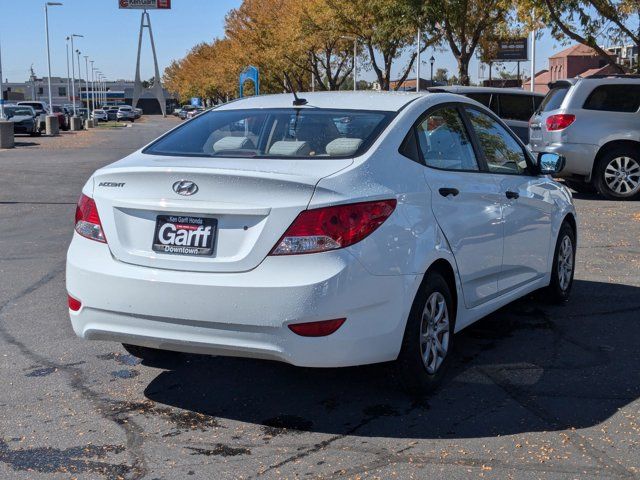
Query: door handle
point(512, 195)
point(446, 191)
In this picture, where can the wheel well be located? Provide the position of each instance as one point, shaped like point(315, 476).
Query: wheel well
point(571, 220)
point(611, 145)
point(444, 268)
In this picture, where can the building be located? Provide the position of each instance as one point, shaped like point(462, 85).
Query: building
point(118, 92)
point(409, 84)
point(574, 61)
point(542, 79)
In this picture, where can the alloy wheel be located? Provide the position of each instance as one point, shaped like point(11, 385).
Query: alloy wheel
point(434, 332)
point(622, 176)
point(565, 263)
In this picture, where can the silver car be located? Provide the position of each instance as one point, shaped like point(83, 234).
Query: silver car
point(594, 122)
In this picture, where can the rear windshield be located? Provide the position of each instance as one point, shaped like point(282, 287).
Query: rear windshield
point(275, 133)
point(554, 99)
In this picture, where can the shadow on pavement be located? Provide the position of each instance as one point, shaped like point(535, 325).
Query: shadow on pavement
point(528, 367)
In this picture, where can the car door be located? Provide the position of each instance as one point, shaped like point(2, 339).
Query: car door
point(466, 203)
point(527, 202)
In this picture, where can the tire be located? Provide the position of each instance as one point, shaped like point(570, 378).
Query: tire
point(153, 356)
point(559, 288)
point(617, 174)
point(417, 375)
point(581, 187)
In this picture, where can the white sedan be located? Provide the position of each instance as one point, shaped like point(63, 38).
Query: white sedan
point(340, 229)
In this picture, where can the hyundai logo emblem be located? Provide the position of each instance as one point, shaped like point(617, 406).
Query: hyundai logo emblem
point(185, 187)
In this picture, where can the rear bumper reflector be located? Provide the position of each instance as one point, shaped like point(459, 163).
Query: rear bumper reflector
point(316, 329)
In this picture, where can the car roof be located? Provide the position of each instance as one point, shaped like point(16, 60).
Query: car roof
point(464, 89)
point(363, 100)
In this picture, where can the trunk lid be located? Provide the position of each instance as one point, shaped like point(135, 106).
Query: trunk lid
point(251, 201)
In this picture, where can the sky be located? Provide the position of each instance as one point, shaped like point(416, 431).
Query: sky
point(111, 35)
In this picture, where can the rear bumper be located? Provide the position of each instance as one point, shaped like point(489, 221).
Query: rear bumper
point(242, 314)
point(580, 157)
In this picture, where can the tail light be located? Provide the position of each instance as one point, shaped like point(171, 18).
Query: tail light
point(88, 221)
point(330, 228)
point(74, 304)
point(559, 121)
point(316, 329)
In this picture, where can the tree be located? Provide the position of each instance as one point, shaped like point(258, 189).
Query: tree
point(441, 75)
point(386, 28)
point(465, 22)
point(584, 21)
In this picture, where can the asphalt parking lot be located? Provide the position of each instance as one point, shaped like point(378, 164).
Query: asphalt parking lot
point(535, 391)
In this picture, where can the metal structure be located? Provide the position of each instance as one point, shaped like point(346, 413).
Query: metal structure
point(145, 22)
point(250, 73)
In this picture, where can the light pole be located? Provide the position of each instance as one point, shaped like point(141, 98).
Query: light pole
point(78, 52)
point(53, 130)
point(418, 62)
point(93, 85)
point(68, 73)
point(1, 89)
point(73, 74)
point(355, 55)
point(86, 84)
point(432, 61)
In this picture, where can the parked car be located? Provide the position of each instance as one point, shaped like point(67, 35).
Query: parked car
point(41, 109)
point(112, 113)
point(100, 115)
point(63, 118)
point(24, 119)
point(139, 112)
point(185, 111)
point(595, 123)
point(302, 245)
point(513, 105)
point(195, 112)
point(126, 113)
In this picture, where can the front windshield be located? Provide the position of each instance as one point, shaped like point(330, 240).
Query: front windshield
point(13, 111)
point(275, 133)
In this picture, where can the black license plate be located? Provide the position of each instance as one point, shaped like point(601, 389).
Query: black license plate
point(184, 235)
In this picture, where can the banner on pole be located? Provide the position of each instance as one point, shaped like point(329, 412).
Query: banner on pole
point(145, 4)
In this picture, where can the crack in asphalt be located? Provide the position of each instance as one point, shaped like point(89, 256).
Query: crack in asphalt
point(132, 431)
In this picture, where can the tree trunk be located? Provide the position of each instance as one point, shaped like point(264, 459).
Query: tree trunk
point(463, 69)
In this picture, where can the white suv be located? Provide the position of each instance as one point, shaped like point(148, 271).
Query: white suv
point(594, 123)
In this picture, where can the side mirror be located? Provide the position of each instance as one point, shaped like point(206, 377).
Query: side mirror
point(550, 163)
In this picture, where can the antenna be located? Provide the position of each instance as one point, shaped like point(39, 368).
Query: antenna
point(297, 102)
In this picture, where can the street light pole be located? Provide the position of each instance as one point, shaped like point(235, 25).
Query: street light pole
point(1, 88)
point(355, 54)
point(432, 61)
point(93, 85)
point(86, 85)
point(68, 79)
point(73, 74)
point(46, 24)
point(418, 62)
point(79, 78)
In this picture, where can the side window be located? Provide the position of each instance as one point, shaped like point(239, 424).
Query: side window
point(444, 143)
point(516, 107)
point(614, 98)
point(502, 152)
point(483, 98)
point(409, 148)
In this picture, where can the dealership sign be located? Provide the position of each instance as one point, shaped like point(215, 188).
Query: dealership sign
point(145, 4)
point(513, 50)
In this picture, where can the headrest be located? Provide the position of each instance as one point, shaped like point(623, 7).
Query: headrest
point(343, 147)
point(290, 148)
point(232, 143)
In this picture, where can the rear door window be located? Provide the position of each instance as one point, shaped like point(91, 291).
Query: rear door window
point(444, 143)
point(614, 98)
point(515, 107)
point(554, 99)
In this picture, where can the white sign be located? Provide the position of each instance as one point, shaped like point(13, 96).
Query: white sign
point(145, 4)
